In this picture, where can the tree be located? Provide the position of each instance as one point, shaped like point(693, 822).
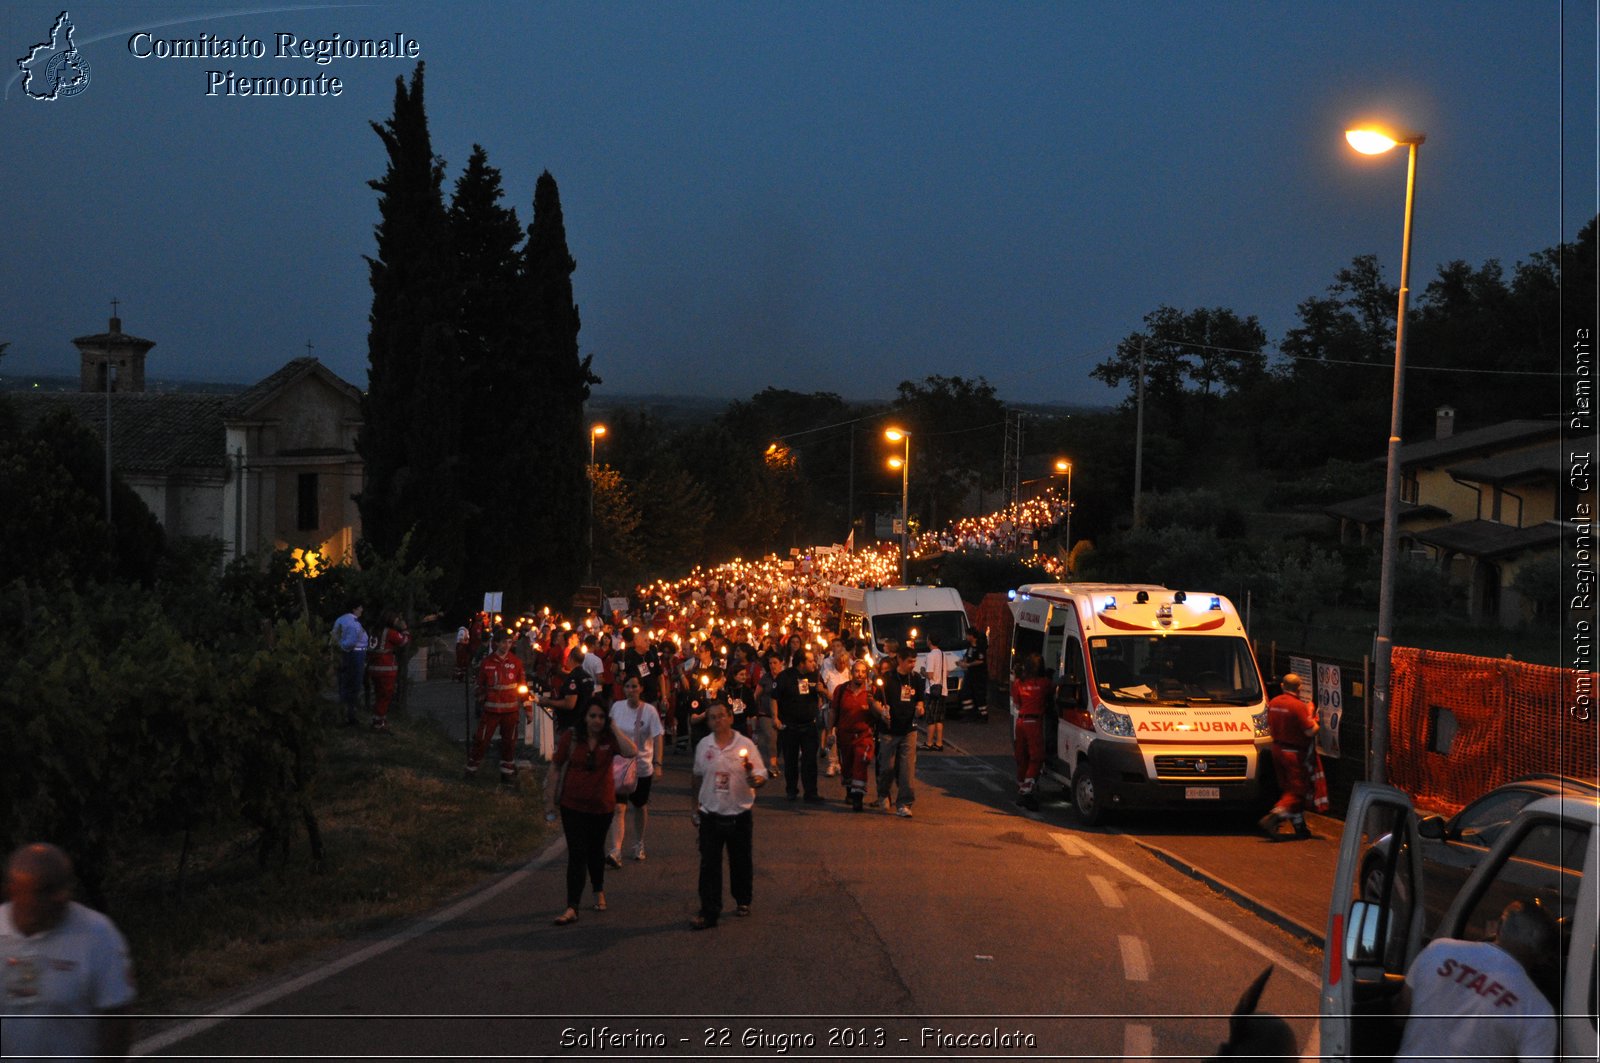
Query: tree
point(499, 388)
point(957, 431)
point(410, 434)
point(550, 319)
point(1187, 353)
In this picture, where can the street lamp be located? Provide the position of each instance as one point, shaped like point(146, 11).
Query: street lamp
point(1065, 466)
point(595, 432)
point(903, 463)
point(1373, 141)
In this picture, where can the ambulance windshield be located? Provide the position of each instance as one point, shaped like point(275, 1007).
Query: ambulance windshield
point(948, 628)
point(1174, 669)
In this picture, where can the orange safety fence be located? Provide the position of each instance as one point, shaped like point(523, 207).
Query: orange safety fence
point(1460, 725)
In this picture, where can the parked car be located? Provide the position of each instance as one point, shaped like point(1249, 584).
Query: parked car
point(1452, 848)
point(1547, 855)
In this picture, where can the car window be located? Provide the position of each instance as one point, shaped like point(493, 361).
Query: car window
point(1481, 822)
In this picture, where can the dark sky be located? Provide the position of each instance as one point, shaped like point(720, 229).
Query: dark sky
point(818, 196)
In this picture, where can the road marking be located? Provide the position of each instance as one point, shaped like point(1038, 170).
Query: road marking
point(1135, 958)
point(1312, 978)
point(989, 784)
point(1069, 844)
point(1138, 1042)
point(1107, 892)
point(168, 1038)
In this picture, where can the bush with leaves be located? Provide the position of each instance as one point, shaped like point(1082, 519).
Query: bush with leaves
point(1200, 510)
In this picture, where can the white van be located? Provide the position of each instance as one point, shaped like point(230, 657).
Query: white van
point(908, 615)
point(1159, 701)
point(1548, 854)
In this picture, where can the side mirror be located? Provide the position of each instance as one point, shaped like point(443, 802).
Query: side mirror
point(1069, 695)
point(1431, 827)
point(1361, 941)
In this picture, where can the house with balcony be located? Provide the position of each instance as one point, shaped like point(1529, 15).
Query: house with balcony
point(1481, 504)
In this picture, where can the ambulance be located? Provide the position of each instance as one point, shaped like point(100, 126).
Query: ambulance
point(908, 615)
point(1158, 702)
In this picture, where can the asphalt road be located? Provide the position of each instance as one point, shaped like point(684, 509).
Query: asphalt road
point(972, 930)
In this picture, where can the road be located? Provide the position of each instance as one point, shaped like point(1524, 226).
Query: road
point(973, 930)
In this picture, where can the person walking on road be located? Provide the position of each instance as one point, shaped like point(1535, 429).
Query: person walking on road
point(1292, 726)
point(383, 669)
point(937, 673)
point(852, 721)
point(728, 771)
point(68, 983)
point(975, 681)
point(350, 639)
point(1030, 692)
point(581, 780)
point(798, 700)
point(502, 687)
point(902, 701)
point(641, 723)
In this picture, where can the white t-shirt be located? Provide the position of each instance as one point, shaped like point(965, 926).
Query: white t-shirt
point(78, 967)
point(594, 666)
point(1471, 1000)
point(833, 677)
point(724, 789)
point(643, 726)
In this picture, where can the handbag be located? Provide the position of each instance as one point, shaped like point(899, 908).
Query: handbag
point(625, 775)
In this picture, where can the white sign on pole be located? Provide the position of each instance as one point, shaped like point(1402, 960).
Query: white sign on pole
point(1330, 708)
point(492, 600)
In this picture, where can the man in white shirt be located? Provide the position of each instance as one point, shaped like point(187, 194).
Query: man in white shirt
point(1475, 1000)
point(67, 981)
point(641, 723)
point(728, 771)
point(835, 673)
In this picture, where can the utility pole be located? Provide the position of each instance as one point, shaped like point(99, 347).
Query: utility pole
point(1138, 444)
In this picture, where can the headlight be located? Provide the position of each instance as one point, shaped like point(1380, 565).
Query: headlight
point(1260, 720)
point(1117, 724)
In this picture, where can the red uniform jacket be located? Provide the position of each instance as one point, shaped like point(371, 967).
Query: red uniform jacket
point(498, 680)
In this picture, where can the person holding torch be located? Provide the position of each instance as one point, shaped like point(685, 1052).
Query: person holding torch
point(728, 771)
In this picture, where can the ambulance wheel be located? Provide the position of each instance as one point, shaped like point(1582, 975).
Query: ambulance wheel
point(1085, 798)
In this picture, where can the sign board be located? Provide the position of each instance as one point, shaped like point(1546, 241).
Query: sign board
point(491, 602)
point(588, 598)
point(1330, 708)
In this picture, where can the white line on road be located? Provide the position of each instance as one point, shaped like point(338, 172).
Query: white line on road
point(1069, 844)
point(1138, 1042)
point(167, 1038)
point(989, 784)
point(1135, 958)
point(1107, 892)
point(1307, 976)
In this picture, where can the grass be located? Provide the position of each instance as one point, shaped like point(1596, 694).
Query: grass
point(402, 832)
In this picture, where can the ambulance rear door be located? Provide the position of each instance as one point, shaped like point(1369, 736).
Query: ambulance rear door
point(1374, 925)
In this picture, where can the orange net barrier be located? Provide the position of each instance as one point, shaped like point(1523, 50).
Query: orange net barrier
point(1460, 725)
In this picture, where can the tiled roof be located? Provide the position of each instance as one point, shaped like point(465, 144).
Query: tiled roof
point(1478, 442)
point(1523, 465)
point(1488, 539)
point(1368, 509)
point(149, 432)
point(248, 401)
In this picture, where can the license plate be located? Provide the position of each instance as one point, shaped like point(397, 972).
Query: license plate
point(1202, 793)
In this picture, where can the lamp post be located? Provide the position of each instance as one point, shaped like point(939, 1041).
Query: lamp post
point(1065, 466)
point(1371, 141)
point(903, 463)
point(595, 432)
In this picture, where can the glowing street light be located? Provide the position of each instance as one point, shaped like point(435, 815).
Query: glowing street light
point(1375, 141)
point(595, 432)
point(1065, 466)
point(903, 463)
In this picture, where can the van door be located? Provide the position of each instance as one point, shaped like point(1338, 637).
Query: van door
point(1374, 924)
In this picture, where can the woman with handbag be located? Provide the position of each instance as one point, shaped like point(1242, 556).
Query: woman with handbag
point(582, 782)
point(640, 721)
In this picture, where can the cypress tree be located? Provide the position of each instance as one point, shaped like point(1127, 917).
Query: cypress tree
point(498, 386)
point(410, 434)
point(561, 526)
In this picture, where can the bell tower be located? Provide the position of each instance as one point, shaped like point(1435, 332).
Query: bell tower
point(112, 349)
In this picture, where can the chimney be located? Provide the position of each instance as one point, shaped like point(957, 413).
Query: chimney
point(1444, 422)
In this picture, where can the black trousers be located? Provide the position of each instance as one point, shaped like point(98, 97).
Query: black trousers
point(799, 748)
point(586, 851)
point(736, 834)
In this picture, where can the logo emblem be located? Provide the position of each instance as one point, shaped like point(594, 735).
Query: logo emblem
point(55, 69)
point(1200, 766)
